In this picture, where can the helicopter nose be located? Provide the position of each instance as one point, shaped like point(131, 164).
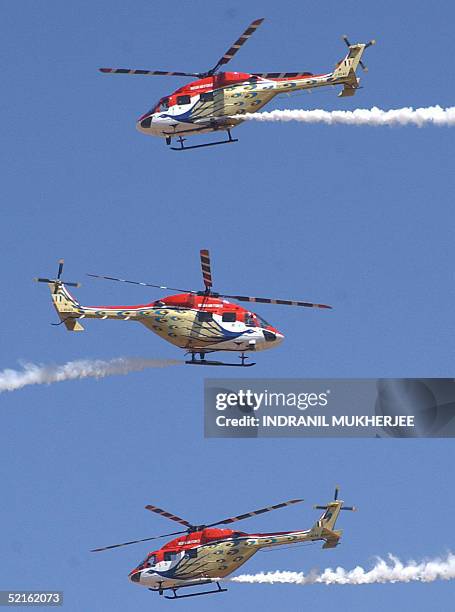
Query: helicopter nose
point(147, 122)
point(272, 336)
point(269, 335)
point(135, 577)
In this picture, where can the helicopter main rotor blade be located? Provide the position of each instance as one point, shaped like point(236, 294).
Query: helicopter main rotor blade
point(124, 280)
point(147, 72)
point(60, 268)
point(206, 269)
point(165, 535)
point(260, 300)
point(241, 517)
point(168, 515)
point(251, 29)
point(191, 528)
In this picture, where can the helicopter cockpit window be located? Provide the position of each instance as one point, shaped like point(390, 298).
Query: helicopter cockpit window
point(191, 553)
point(183, 100)
point(204, 316)
point(147, 562)
point(249, 320)
point(229, 317)
point(207, 96)
point(151, 560)
point(162, 105)
point(170, 556)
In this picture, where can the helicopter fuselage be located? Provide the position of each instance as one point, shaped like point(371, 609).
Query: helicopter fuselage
point(218, 99)
point(202, 554)
point(215, 103)
point(209, 554)
point(190, 321)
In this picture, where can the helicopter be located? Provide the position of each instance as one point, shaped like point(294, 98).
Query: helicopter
point(200, 322)
point(217, 99)
point(206, 554)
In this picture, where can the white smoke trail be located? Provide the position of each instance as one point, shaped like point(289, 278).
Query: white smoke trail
point(392, 571)
point(33, 374)
point(431, 115)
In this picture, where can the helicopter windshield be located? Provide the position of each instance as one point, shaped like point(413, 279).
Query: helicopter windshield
point(151, 560)
point(147, 562)
point(263, 322)
point(162, 105)
point(250, 320)
point(254, 320)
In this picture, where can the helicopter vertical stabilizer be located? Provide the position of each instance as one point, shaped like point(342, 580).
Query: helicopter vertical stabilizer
point(324, 526)
point(348, 65)
point(67, 307)
point(329, 518)
point(345, 71)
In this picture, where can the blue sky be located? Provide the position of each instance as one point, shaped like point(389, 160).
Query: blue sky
point(360, 218)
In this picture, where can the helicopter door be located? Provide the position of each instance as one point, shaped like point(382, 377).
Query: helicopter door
point(171, 556)
point(207, 101)
point(228, 101)
point(219, 102)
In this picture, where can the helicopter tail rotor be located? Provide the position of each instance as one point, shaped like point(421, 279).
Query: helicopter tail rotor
point(57, 282)
point(336, 501)
point(365, 46)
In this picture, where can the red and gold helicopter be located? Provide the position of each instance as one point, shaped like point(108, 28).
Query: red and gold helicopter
point(200, 322)
point(206, 554)
point(216, 101)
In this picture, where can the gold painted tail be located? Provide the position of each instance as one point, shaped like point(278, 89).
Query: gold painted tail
point(345, 71)
point(324, 528)
point(67, 307)
point(327, 520)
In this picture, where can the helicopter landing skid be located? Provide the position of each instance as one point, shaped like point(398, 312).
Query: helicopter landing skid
point(208, 362)
point(175, 596)
point(182, 147)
